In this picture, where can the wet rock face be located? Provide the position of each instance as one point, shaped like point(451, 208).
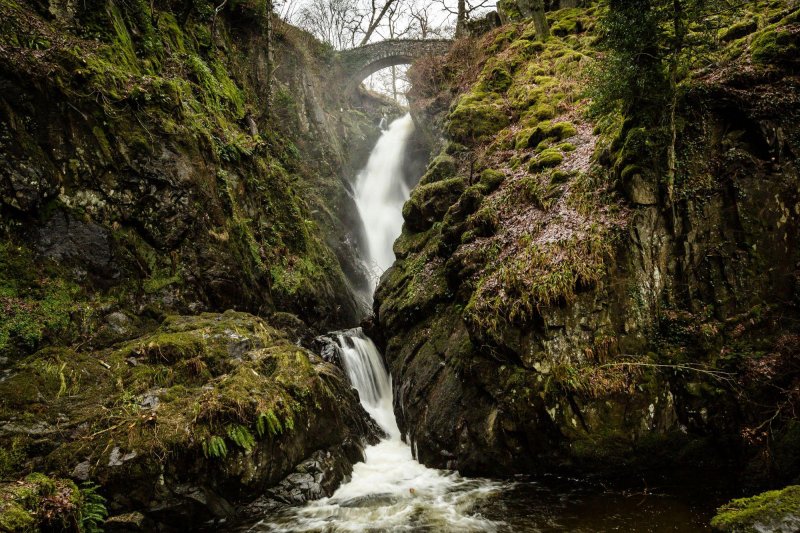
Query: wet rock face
point(509, 356)
point(67, 240)
point(206, 413)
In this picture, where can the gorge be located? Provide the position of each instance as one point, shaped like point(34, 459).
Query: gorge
point(586, 313)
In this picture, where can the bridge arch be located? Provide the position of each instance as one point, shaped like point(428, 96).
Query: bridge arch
point(360, 62)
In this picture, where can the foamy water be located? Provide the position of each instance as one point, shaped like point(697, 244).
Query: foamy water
point(390, 490)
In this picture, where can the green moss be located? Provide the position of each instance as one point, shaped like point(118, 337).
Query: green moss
point(429, 203)
point(42, 503)
point(477, 117)
point(562, 130)
point(442, 167)
point(14, 517)
point(567, 21)
point(775, 44)
point(548, 158)
point(541, 111)
point(769, 511)
point(491, 180)
point(737, 30)
point(495, 78)
point(502, 39)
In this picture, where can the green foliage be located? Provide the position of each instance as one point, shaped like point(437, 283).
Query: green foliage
point(11, 458)
point(33, 304)
point(631, 77)
point(241, 436)
point(92, 512)
point(215, 447)
point(267, 423)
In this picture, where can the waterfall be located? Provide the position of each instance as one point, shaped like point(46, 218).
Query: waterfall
point(381, 191)
point(364, 366)
point(390, 490)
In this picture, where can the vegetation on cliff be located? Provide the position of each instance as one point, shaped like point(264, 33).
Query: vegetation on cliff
point(611, 298)
point(154, 165)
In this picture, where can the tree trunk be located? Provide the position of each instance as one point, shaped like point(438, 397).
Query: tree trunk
point(540, 20)
point(461, 22)
point(394, 83)
point(374, 25)
point(677, 49)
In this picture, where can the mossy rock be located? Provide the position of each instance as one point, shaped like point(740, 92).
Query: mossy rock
point(41, 503)
point(548, 158)
point(776, 44)
point(568, 21)
point(738, 30)
point(544, 131)
point(477, 117)
point(496, 78)
point(429, 203)
point(775, 510)
point(525, 49)
point(491, 180)
point(442, 167)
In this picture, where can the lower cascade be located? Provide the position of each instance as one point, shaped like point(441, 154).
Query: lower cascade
point(390, 490)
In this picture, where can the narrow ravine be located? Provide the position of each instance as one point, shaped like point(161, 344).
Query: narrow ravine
point(390, 489)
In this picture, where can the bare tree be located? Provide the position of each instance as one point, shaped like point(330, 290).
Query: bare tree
point(398, 24)
point(336, 22)
point(288, 10)
point(464, 10)
point(420, 14)
point(375, 17)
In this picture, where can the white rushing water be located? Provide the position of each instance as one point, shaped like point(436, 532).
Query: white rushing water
point(390, 490)
point(381, 191)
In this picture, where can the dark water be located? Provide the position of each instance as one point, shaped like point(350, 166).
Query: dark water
point(578, 507)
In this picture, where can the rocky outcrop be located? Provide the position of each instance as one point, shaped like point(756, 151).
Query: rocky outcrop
point(139, 151)
point(156, 165)
point(551, 309)
point(185, 423)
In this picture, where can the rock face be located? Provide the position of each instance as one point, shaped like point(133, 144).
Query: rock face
point(140, 150)
point(551, 309)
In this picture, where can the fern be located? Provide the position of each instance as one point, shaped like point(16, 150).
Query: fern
point(93, 512)
point(267, 422)
point(242, 437)
point(215, 447)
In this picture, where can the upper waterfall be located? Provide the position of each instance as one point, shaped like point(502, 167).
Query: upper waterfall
point(381, 190)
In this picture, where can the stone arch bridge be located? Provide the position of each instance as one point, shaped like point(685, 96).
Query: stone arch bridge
point(358, 63)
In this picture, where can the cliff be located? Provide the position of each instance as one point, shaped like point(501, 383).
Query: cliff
point(557, 305)
point(166, 173)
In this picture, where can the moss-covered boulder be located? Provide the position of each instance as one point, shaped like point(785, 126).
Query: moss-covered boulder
point(39, 503)
point(429, 203)
point(224, 404)
point(776, 510)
